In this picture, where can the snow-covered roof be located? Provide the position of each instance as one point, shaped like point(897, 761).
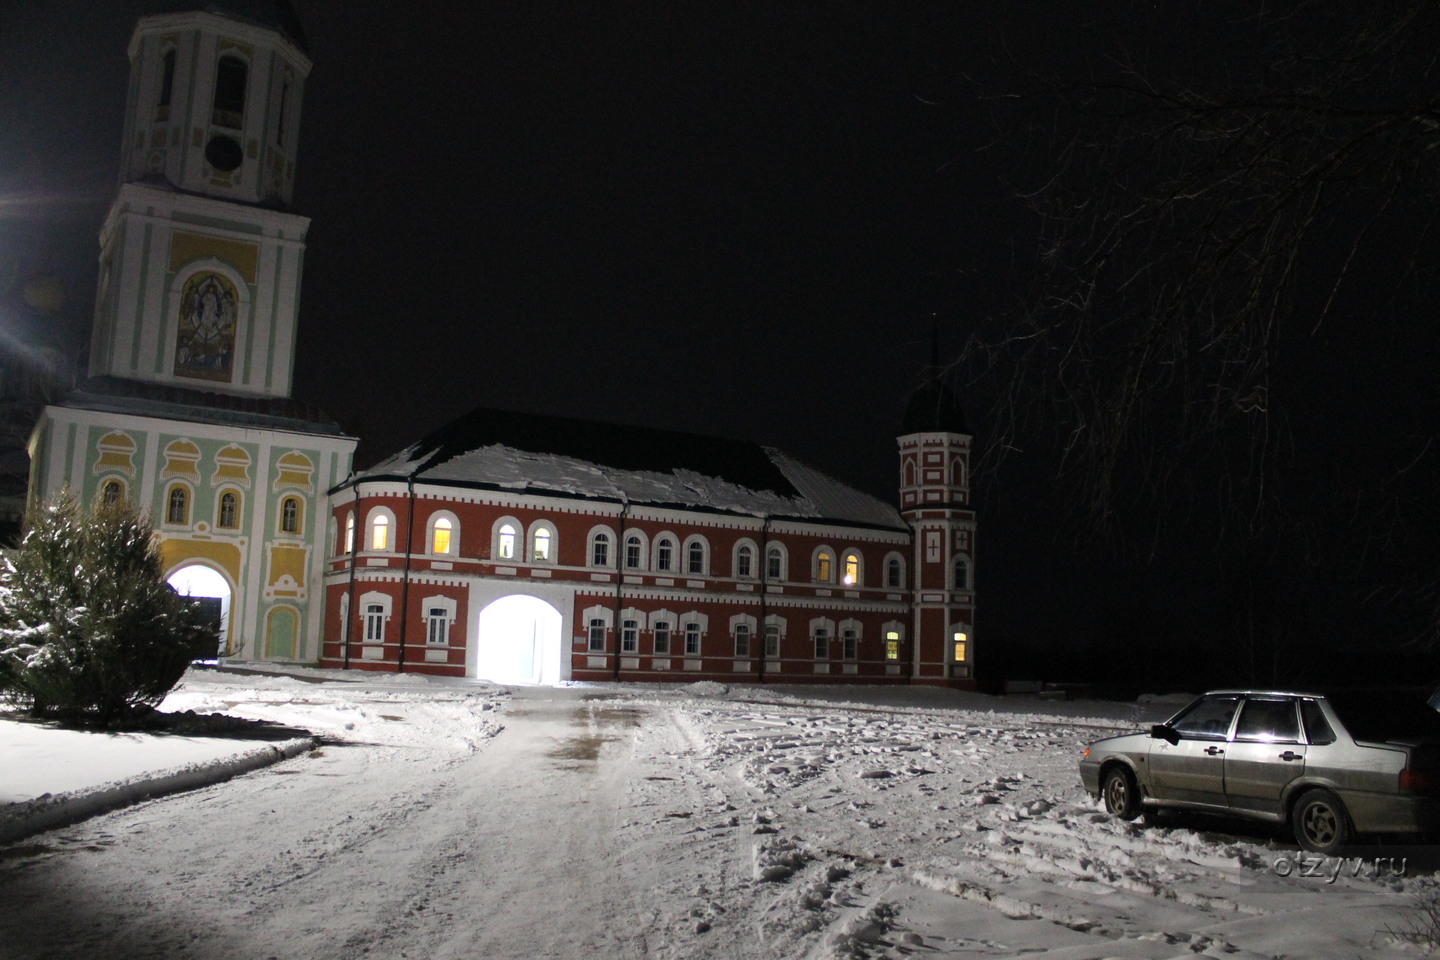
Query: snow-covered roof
point(560, 456)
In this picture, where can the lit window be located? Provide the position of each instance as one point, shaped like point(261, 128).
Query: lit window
point(230, 80)
point(440, 536)
point(962, 574)
point(439, 626)
point(662, 637)
point(665, 555)
point(822, 643)
point(774, 564)
point(696, 557)
point(632, 553)
point(822, 567)
point(507, 542)
point(851, 576)
point(600, 550)
point(744, 562)
point(597, 635)
point(541, 545)
point(772, 640)
point(178, 508)
point(629, 636)
point(894, 573)
point(380, 533)
point(112, 493)
point(290, 515)
point(692, 639)
point(742, 640)
point(349, 532)
point(229, 507)
point(850, 641)
point(374, 623)
point(961, 642)
point(892, 645)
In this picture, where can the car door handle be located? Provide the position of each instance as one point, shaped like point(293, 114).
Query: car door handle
point(1290, 755)
point(1214, 751)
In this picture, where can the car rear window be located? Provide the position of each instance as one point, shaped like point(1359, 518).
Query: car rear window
point(1386, 715)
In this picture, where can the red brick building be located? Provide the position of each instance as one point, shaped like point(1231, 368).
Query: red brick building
point(525, 548)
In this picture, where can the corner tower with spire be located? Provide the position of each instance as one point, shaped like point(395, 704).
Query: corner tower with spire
point(187, 412)
point(935, 500)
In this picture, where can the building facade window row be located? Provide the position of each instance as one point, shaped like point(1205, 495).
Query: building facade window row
point(179, 503)
point(663, 553)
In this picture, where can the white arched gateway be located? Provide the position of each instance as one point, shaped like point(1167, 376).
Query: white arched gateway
point(212, 590)
point(518, 641)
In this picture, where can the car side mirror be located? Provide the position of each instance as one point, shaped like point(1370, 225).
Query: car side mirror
point(1161, 732)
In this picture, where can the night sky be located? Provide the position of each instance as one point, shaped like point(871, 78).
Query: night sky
point(736, 219)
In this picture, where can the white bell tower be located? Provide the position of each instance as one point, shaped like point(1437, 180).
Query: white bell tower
point(200, 261)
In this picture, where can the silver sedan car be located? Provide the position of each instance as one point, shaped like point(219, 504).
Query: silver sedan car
point(1329, 767)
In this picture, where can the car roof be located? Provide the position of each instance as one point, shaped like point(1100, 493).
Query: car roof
point(1264, 693)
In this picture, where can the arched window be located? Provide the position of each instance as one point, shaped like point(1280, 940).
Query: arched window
point(962, 574)
point(661, 629)
point(349, 546)
point(775, 563)
point(505, 542)
point(597, 635)
point(695, 556)
point(823, 564)
point(380, 532)
point(374, 622)
point(634, 553)
point(822, 643)
point(600, 550)
point(290, 515)
point(850, 569)
point(440, 531)
point(177, 506)
point(112, 493)
point(745, 560)
point(665, 554)
point(629, 636)
point(231, 78)
point(229, 514)
point(894, 572)
point(542, 545)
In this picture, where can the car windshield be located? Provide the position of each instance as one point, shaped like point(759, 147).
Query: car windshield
point(1383, 715)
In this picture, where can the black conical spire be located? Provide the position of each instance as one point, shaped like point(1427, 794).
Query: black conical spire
point(934, 407)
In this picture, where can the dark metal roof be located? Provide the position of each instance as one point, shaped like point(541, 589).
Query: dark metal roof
point(277, 15)
point(137, 397)
point(933, 408)
point(566, 457)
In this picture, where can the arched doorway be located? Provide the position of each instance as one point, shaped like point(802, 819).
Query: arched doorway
point(518, 641)
point(212, 590)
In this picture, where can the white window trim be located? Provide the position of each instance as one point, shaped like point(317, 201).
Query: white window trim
point(611, 548)
point(677, 553)
point(815, 564)
point(755, 559)
point(522, 542)
point(784, 562)
point(529, 545)
point(454, 533)
point(436, 603)
point(845, 555)
point(392, 531)
point(378, 599)
point(692, 541)
point(895, 557)
point(644, 550)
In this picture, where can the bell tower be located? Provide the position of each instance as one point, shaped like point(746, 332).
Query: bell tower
point(935, 501)
point(200, 261)
point(187, 412)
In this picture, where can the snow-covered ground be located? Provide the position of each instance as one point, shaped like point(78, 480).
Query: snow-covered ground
point(465, 820)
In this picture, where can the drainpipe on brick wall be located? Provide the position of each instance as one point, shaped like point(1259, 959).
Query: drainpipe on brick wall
point(405, 584)
point(355, 534)
point(764, 592)
point(620, 583)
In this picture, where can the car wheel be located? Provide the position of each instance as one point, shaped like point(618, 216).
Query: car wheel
point(1121, 796)
point(1320, 822)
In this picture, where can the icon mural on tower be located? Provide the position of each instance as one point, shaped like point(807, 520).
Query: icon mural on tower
point(205, 343)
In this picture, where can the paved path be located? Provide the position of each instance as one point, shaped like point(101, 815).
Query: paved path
point(363, 851)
